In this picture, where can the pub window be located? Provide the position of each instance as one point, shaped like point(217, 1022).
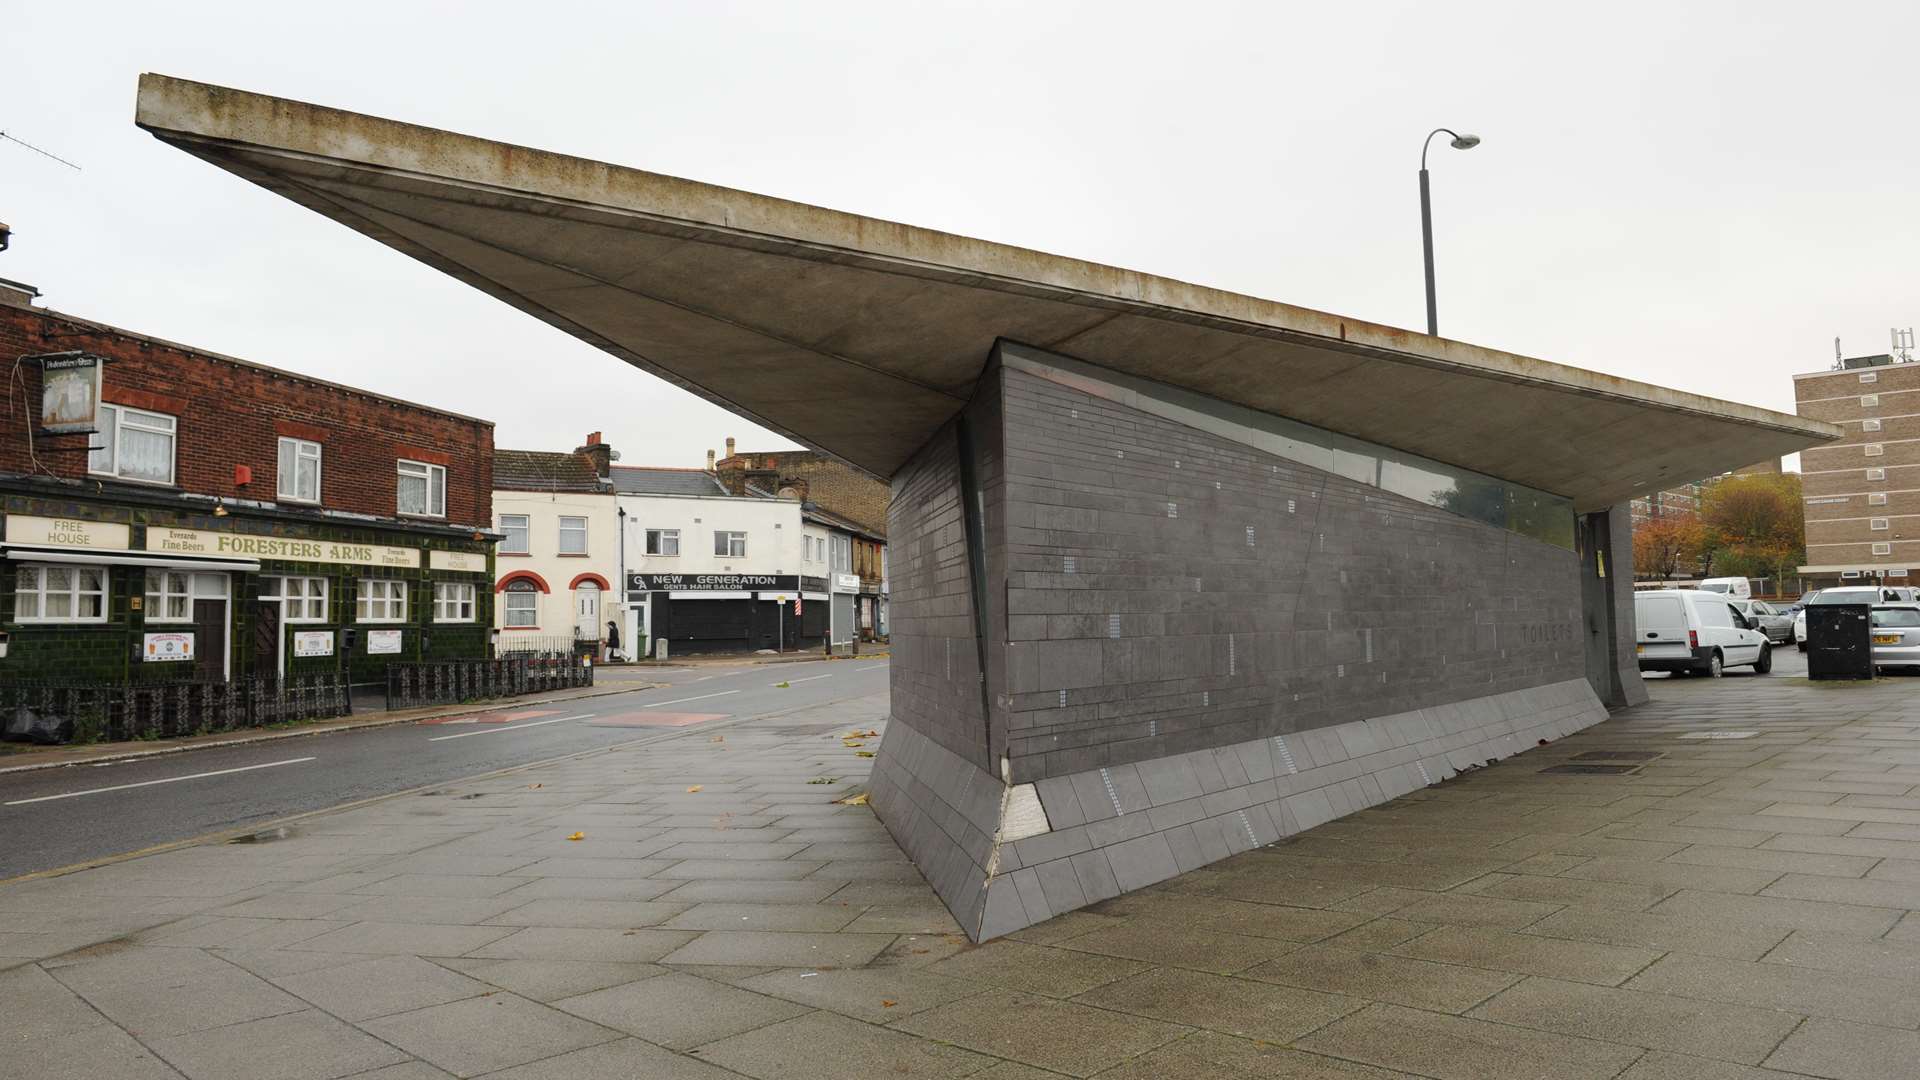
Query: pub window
point(663, 542)
point(452, 601)
point(133, 444)
point(299, 477)
point(60, 594)
point(422, 489)
point(381, 601)
point(302, 599)
point(730, 545)
point(169, 596)
point(517, 534)
point(522, 605)
point(573, 536)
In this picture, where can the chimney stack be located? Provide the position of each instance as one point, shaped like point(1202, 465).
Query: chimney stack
point(598, 452)
point(709, 461)
point(729, 446)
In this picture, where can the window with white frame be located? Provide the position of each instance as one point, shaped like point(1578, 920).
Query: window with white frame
point(1876, 474)
point(729, 545)
point(518, 533)
point(381, 600)
point(573, 535)
point(1868, 401)
point(60, 594)
point(299, 478)
point(1876, 524)
point(1883, 548)
point(134, 444)
point(663, 541)
point(422, 490)
point(1869, 376)
point(169, 596)
point(1856, 573)
point(302, 599)
point(452, 601)
point(1876, 498)
point(842, 546)
point(1874, 449)
point(521, 605)
point(1869, 425)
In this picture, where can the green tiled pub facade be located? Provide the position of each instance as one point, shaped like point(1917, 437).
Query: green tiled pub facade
point(102, 591)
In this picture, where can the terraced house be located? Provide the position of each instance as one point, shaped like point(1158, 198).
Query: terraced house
point(174, 515)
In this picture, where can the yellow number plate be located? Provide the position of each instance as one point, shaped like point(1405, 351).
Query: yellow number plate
point(1886, 639)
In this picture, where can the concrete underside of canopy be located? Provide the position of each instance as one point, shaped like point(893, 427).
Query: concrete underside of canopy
point(863, 337)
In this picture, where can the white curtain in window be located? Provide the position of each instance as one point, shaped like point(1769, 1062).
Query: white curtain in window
point(146, 455)
point(413, 494)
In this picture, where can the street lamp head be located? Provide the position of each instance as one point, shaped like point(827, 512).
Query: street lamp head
point(1465, 142)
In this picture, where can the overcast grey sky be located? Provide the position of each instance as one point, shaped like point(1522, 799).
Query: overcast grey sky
point(1701, 195)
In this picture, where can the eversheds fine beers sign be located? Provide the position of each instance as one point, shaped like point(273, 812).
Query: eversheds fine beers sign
point(202, 542)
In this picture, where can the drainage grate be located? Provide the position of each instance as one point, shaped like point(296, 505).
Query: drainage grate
point(1592, 770)
point(1618, 755)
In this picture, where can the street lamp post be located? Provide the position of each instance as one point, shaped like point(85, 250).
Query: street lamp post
point(1460, 142)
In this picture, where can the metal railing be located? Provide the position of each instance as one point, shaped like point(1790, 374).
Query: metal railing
point(90, 712)
point(454, 682)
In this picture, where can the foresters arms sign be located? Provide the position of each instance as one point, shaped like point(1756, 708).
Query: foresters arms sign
point(202, 542)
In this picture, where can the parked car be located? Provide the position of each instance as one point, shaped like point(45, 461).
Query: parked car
point(1845, 594)
point(1769, 620)
point(1737, 588)
point(1896, 635)
point(1692, 631)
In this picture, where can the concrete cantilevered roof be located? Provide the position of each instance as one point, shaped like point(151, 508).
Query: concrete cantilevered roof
point(861, 337)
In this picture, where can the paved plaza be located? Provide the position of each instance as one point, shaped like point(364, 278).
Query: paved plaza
point(1729, 908)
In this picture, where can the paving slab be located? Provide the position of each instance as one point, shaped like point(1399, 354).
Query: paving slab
point(1041, 1031)
point(1455, 1048)
point(485, 1034)
point(823, 1046)
point(876, 995)
point(622, 1059)
point(1402, 980)
point(1016, 965)
point(389, 984)
point(679, 1011)
point(780, 949)
point(1659, 1021)
point(1230, 1006)
point(307, 1045)
point(1844, 1051)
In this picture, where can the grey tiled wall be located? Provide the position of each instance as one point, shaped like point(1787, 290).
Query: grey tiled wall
point(1193, 647)
point(1168, 590)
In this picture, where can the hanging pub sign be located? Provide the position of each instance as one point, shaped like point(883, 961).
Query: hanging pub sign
point(713, 583)
point(69, 392)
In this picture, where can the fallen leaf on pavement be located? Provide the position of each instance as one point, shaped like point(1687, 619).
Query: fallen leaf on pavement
point(855, 800)
point(694, 788)
point(863, 753)
point(578, 836)
point(780, 686)
point(718, 738)
point(885, 1004)
point(536, 786)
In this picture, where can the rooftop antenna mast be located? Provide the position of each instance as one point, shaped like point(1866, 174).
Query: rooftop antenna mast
point(1837, 365)
point(37, 150)
point(1903, 345)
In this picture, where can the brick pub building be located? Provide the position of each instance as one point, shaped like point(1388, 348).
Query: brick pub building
point(231, 519)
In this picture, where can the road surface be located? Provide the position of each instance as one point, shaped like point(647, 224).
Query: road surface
point(58, 817)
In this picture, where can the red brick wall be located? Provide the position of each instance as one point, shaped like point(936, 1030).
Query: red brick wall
point(232, 413)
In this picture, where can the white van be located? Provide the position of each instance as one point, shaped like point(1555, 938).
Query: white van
point(1690, 630)
point(1737, 587)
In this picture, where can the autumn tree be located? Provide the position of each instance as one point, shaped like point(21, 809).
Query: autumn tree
point(1755, 525)
point(1662, 546)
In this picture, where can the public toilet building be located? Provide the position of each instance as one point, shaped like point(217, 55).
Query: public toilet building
point(1175, 572)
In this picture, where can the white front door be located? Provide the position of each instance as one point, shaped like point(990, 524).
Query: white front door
point(586, 607)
